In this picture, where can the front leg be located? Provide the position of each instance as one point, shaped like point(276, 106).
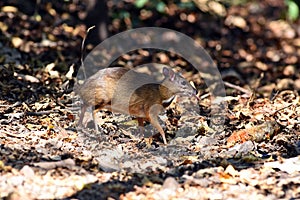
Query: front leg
point(97, 108)
point(95, 120)
point(153, 118)
point(141, 125)
point(82, 112)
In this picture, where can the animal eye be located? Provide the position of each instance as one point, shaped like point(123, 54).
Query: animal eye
point(183, 82)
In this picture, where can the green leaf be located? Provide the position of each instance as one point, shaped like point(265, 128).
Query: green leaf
point(293, 10)
point(140, 3)
point(187, 5)
point(160, 7)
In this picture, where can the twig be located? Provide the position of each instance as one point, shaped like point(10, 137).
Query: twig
point(41, 113)
point(68, 163)
point(83, 50)
point(237, 88)
point(18, 135)
point(204, 96)
point(282, 108)
point(18, 115)
point(13, 105)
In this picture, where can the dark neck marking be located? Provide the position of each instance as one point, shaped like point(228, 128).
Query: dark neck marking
point(167, 102)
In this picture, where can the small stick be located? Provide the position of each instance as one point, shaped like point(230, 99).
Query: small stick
point(83, 50)
point(14, 105)
point(17, 135)
point(280, 109)
point(39, 113)
point(68, 163)
point(204, 96)
point(237, 88)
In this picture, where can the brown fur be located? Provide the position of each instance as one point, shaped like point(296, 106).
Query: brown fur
point(110, 89)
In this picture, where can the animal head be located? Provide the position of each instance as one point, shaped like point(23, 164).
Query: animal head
point(176, 83)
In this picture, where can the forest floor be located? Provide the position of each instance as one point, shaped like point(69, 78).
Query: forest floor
point(255, 156)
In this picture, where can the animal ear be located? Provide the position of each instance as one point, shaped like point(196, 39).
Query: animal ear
point(169, 73)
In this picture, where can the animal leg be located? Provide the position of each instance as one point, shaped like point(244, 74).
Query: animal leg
point(82, 112)
point(95, 120)
point(141, 125)
point(153, 116)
